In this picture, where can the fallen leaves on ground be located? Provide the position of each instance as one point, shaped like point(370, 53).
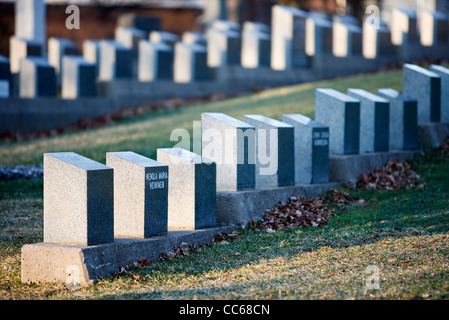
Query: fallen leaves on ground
point(392, 176)
point(296, 213)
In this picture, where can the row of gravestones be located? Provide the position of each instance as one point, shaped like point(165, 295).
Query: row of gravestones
point(295, 35)
point(86, 202)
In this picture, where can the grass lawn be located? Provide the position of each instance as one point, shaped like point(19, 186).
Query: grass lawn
point(399, 237)
point(144, 135)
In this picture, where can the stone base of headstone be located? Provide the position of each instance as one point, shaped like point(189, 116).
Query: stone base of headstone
point(82, 265)
point(432, 134)
point(348, 168)
point(240, 207)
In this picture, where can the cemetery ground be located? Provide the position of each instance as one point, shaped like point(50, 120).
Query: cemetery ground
point(400, 236)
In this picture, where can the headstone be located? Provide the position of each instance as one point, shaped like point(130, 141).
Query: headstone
point(256, 45)
point(78, 78)
point(140, 194)
point(91, 53)
point(130, 36)
point(444, 100)
point(190, 63)
point(424, 86)
point(191, 189)
point(374, 121)
point(141, 22)
point(288, 38)
point(116, 61)
point(164, 37)
point(156, 61)
point(346, 39)
point(20, 49)
point(403, 120)
point(30, 22)
point(225, 25)
point(275, 164)
point(403, 26)
point(231, 144)
point(311, 149)
point(78, 200)
point(57, 49)
point(194, 37)
point(341, 113)
point(37, 78)
point(434, 28)
point(223, 47)
point(4, 88)
point(346, 19)
point(318, 36)
point(376, 40)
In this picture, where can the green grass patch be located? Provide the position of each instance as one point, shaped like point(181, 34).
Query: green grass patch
point(144, 135)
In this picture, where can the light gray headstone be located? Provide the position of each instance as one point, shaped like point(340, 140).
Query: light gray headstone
point(30, 21)
point(37, 78)
point(140, 194)
point(57, 49)
point(424, 86)
point(223, 47)
point(374, 121)
point(194, 37)
point(288, 38)
point(225, 25)
point(190, 63)
point(164, 37)
point(444, 100)
point(192, 186)
point(256, 45)
point(376, 40)
point(311, 149)
point(434, 28)
point(275, 154)
point(403, 120)
point(318, 35)
point(91, 53)
point(78, 200)
point(346, 39)
point(116, 61)
point(341, 113)
point(20, 49)
point(231, 144)
point(130, 36)
point(78, 78)
point(404, 29)
point(156, 61)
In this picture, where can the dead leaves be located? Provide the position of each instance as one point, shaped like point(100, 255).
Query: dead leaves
point(393, 176)
point(296, 213)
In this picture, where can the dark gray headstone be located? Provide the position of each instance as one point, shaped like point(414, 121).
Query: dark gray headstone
point(140, 194)
point(192, 186)
point(444, 100)
point(341, 113)
point(37, 78)
point(156, 61)
point(190, 63)
point(311, 149)
point(275, 163)
point(78, 200)
point(374, 121)
point(231, 144)
point(424, 86)
point(78, 78)
point(403, 120)
point(116, 61)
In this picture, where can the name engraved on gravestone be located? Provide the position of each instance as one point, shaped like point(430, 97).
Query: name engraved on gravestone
point(159, 176)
